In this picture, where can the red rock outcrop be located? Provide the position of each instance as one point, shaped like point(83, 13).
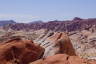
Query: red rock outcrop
point(18, 51)
point(63, 59)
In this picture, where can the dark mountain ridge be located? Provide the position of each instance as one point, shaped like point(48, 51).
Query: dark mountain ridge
point(5, 22)
point(69, 25)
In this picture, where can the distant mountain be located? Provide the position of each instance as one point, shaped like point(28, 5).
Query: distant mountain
point(5, 22)
point(69, 25)
point(77, 18)
point(36, 22)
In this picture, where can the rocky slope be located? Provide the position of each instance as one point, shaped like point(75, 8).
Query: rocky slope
point(27, 35)
point(84, 43)
point(56, 43)
point(49, 48)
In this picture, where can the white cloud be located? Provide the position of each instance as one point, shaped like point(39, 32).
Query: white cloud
point(17, 17)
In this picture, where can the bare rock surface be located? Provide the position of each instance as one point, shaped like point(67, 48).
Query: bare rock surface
point(56, 42)
point(18, 51)
point(84, 43)
point(63, 59)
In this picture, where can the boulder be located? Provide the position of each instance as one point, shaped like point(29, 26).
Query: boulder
point(18, 51)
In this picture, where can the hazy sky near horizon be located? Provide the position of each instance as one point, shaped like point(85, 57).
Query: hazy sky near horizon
point(32, 10)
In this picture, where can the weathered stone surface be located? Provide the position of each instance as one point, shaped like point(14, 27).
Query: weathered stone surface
point(84, 43)
point(17, 51)
point(63, 59)
point(56, 42)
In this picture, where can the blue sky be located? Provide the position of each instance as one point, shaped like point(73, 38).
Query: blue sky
point(32, 10)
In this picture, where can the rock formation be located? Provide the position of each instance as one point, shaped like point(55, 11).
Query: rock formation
point(47, 42)
point(84, 43)
point(63, 59)
point(55, 43)
point(18, 51)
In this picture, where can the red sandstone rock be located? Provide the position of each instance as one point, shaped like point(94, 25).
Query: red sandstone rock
point(66, 45)
point(19, 51)
point(63, 59)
